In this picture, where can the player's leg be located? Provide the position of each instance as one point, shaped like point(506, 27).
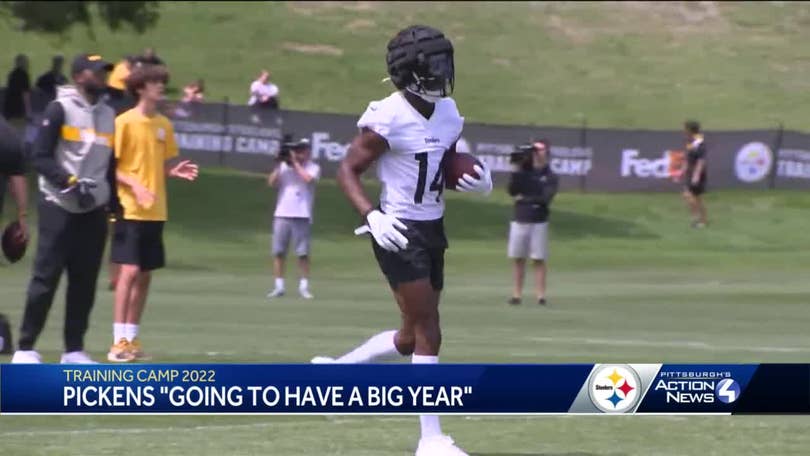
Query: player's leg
point(152, 257)
point(690, 203)
point(83, 266)
point(282, 231)
point(301, 240)
point(125, 254)
point(51, 255)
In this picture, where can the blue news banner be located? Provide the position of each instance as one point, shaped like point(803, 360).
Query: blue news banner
point(405, 389)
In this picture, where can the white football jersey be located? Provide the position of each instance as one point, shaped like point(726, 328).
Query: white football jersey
point(410, 171)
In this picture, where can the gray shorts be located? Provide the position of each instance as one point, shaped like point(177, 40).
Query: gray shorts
point(528, 240)
point(286, 229)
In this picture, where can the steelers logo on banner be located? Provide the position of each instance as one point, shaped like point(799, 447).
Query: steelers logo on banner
point(753, 162)
point(614, 388)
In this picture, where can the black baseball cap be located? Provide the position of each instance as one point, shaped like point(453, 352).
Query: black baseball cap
point(302, 143)
point(92, 62)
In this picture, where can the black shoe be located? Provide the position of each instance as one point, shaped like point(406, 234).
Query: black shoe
point(541, 301)
point(514, 301)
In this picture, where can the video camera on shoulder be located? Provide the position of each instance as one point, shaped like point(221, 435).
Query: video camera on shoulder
point(523, 156)
point(287, 145)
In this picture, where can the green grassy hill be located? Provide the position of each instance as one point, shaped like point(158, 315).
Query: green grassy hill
point(622, 64)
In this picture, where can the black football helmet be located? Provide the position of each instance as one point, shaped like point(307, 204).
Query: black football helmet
point(420, 60)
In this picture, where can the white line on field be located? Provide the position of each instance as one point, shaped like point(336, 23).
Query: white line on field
point(696, 345)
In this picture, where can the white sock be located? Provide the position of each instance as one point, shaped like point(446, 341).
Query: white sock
point(279, 283)
point(130, 331)
point(429, 423)
point(119, 332)
point(374, 349)
point(304, 284)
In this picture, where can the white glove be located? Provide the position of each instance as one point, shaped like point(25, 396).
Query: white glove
point(468, 183)
point(386, 231)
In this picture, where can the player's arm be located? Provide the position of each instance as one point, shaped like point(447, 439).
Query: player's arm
point(365, 149)
point(19, 191)
point(44, 147)
point(174, 166)
point(701, 163)
point(386, 229)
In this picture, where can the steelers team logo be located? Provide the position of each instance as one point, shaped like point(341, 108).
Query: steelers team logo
point(614, 388)
point(753, 162)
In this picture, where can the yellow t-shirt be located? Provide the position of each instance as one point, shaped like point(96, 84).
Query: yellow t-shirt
point(142, 145)
point(118, 76)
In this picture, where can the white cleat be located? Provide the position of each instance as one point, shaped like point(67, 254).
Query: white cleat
point(276, 293)
point(78, 357)
point(439, 445)
point(26, 357)
point(322, 360)
point(305, 293)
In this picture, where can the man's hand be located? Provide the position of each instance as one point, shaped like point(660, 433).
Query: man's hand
point(385, 229)
point(22, 235)
point(82, 188)
point(185, 170)
point(143, 196)
point(468, 183)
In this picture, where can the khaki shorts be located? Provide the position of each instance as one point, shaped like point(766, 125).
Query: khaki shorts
point(528, 240)
point(295, 231)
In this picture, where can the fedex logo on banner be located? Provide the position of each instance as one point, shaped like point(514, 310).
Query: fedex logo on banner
point(646, 168)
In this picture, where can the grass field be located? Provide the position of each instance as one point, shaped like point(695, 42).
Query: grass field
point(620, 64)
point(630, 282)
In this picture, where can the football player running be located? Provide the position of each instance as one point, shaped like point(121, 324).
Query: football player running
point(408, 134)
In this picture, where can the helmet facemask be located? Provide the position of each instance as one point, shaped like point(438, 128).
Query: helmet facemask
point(433, 78)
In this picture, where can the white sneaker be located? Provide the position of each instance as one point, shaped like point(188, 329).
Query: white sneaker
point(439, 445)
point(305, 293)
point(26, 357)
point(322, 360)
point(78, 357)
point(276, 293)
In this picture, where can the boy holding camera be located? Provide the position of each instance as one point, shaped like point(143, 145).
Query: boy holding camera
point(295, 176)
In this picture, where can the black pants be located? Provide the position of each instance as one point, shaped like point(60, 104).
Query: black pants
point(70, 242)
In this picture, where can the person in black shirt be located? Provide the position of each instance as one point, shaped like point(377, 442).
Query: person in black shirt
point(48, 81)
point(694, 174)
point(12, 167)
point(533, 186)
point(17, 104)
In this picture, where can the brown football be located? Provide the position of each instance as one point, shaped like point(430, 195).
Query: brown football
point(13, 249)
point(456, 165)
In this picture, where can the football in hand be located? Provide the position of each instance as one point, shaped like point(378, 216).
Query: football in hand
point(457, 165)
point(13, 244)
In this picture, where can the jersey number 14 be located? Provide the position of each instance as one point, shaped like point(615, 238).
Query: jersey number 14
point(437, 185)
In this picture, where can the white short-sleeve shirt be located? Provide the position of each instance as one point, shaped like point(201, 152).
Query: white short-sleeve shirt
point(410, 171)
point(296, 197)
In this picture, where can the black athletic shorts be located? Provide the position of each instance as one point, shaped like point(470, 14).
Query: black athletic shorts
point(698, 189)
point(138, 242)
point(423, 258)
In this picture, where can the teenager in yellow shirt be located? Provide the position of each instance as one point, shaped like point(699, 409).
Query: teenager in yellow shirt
point(144, 148)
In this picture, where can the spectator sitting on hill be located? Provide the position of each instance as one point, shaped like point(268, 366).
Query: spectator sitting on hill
point(53, 78)
point(149, 57)
point(263, 93)
point(194, 92)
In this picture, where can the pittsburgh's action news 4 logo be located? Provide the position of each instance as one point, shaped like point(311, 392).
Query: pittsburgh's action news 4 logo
point(753, 162)
point(697, 387)
point(614, 388)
